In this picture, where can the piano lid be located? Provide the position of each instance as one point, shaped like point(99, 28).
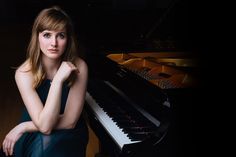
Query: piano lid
point(155, 25)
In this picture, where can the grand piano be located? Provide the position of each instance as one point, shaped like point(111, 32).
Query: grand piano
point(142, 90)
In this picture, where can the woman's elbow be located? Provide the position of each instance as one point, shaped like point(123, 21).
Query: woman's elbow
point(46, 131)
point(43, 128)
point(46, 127)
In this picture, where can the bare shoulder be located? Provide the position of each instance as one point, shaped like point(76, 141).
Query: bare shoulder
point(81, 65)
point(24, 73)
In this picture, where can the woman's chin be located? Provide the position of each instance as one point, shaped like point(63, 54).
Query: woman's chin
point(53, 56)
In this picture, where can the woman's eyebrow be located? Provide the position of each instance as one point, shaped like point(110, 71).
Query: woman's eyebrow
point(46, 31)
point(57, 32)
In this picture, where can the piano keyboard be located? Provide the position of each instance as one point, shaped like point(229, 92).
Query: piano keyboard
point(109, 124)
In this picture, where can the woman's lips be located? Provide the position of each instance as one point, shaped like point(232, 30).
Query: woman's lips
point(53, 50)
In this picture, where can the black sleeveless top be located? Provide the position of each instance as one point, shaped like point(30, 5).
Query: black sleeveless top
point(60, 143)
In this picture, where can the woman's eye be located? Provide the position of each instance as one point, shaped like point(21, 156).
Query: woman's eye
point(62, 36)
point(46, 35)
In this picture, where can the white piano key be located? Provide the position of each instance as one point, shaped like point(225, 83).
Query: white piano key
point(114, 131)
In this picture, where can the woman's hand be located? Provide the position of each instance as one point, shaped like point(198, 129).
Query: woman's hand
point(65, 70)
point(11, 138)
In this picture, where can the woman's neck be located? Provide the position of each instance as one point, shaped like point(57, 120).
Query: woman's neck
point(50, 66)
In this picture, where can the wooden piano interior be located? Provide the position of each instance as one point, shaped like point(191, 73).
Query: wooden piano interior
point(166, 70)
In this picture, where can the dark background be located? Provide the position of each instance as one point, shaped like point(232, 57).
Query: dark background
point(115, 24)
point(104, 26)
point(107, 25)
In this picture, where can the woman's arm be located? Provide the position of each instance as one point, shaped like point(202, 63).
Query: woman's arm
point(76, 98)
point(44, 117)
point(15, 133)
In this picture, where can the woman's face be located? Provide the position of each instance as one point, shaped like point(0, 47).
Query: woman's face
point(53, 43)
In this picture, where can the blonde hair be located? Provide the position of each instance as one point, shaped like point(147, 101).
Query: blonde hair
point(53, 18)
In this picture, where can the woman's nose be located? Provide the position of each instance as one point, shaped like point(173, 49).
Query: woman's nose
point(54, 42)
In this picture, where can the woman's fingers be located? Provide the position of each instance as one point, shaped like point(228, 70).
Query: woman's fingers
point(5, 145)
point(73, 67)
point(12, 143)
point(8, 146)
point(65, 71)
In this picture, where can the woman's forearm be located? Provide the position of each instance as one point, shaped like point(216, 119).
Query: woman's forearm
point(28, 126)
point(50, 113)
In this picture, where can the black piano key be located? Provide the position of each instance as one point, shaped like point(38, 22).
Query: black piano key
point(141, 136)
point(126, 117)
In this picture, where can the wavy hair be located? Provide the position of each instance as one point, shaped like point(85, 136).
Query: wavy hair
point(53, 18)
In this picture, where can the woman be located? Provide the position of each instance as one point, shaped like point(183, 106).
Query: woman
point(52, 83)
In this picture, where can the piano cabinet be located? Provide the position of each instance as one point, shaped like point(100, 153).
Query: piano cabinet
point(132, 115)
